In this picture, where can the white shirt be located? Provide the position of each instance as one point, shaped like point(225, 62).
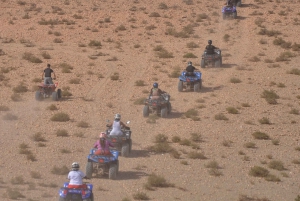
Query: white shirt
point(116, 128)
point(75, 177)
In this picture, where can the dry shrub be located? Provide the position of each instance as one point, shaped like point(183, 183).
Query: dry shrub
point(62, 133)
point(196, 155)
point(31, 58)
point(64, 170)
point(60, 117)
point(260, 135)
point(38, 137)
point(83, 124)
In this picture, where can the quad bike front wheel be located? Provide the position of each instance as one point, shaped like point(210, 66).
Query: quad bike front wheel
point(202, 63)
point(112, 172)
point(38, 96)
point(234, 15)
point(218, 63)
point(146, 111)
point(54, 96)
point(197, 87)
point(180, 86)
point(125, 150)
point(164, 112)
point(89, 169)
point(130, 145)
point(59, 93)
point(169, 108)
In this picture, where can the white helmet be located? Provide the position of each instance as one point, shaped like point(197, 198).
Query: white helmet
point(75, 166)
point(117, 117)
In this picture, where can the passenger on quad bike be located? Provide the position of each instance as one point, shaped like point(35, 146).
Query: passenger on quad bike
point(155, 92)
point(103, 145)
point(210, 48)
point(75, 176)
point(116, 125)
point(47, 72)
point(190, 69)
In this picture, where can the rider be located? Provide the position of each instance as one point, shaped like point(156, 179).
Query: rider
point(155, 92)
point(47, 72)
point(103, 145)
point(190, 68)
point(210, 48)
point(75, 176)
point(229, 3)
point(117, 125)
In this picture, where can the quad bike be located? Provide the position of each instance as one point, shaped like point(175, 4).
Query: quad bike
point(190, 81)
point(103, 164)
point(161, 106)
point(211, 59)
point(48, 90)
point(76, 194)
point(122, 143)
point(229, 11)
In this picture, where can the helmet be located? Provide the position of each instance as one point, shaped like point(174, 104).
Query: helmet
point(210, 42)
point(75, 166)
point(117, 117)
point(155, 85)
point(102, 135)
point(48, 65)
point(190, 63)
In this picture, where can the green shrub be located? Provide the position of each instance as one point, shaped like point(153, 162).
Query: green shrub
point(276, 165)
point(158, 181)
point(272, 177)
point(215, 172)
point(190, 113)
point(175, 154)
point(258, 171)
point(184, 162)
point(185, 142)
point(60, 117)
point(64, 170)
point(120, 28)
point(213, 164)
point(30, 57)
point(115, 76)
point(294, 111)
point(62, 133)
point(260, 135)
point(139, 101)
point(46, 55)
point(284, 56)
point(196, 155)
point(192, 45)
point(196, 137)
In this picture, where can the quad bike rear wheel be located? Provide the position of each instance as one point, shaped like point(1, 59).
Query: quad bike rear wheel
point(130, 145)
point(169, 108)
point(59, 93)
point(164, 112)
point(200, 82)
point(224, 16)
point(38, 96)
point(54, 96)
point(125, 150)
point(89, 169)
point(146, 111)
point(202, 63)
point(180, 86)
point(197, 87)
point(234, 15)
point(112, 172)
point(218, 63)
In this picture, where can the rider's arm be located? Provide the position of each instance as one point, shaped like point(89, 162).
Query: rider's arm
point(54, 75)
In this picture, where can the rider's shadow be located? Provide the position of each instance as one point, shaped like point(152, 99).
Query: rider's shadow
point(211, 89)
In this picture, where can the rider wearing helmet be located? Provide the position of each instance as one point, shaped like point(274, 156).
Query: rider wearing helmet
point(155, 92)
point(47, 72)
point(229, 3)
point(75, 176)
point(117, 125)
point(103, 145)
point(190, 69)
point(210, 48)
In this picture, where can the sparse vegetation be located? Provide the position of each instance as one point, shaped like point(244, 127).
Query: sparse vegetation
point(62, 133)
point(276, 165)
point(221, 116)
point(140, 83)
point(83, 124)
point(10, 117)
point(232, 110)
point(235, 80)
point(64, 170)
point(260, 135)
point(31, 58)
point(264, 120)
point(140, 196)
point(196, 155)
point(38, 137)
point(115, 76)
point(52, 107)
point(250, 145)
point(258, 171)
point(61, 117)
point(270, 96)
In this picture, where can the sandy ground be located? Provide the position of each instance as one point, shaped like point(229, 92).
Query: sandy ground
point(129, 31)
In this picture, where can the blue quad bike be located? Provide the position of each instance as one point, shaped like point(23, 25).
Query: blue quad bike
point(76, 194)
point(102, 164)
point(229, 11)
point(122, 143)
point(190, 81)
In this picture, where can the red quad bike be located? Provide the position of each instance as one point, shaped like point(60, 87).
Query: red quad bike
point(48, 90)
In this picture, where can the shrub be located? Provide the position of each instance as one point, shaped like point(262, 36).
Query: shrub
point(64, 170)
point(196, 137)
point(14, 194)
point(120, 28)
point(213, 164)
point(215, 172)
point(184, 162)
point(294, 111)
point(176, 139)
point(175, 154)
point(161, 148)
point(4, 108)
point(83, 124)
point(245, 105)
point(269, 32)
point(185, 142)
point(254, 59)
point(192, 45)
point(226, 143)
point(161, 138)
point(65, 151)
point(226, 37)
point(258, 171)
point(35, 175)
point(62, 133)
point(196, 155)
point(190, 113)
point(221, 116)
point(232, 110)
point(175, 73)
point(284, 56)
point(66, 68)
point(52, 107)
point(154, 14)
point(294, 71)
point(275, 142)
point(80, 134)
point(61, 117)
point(38, 137)
point(17, 180)
point(272, 177)
point(140, 196)
point(58, 40)
point(139, 83)
point(270, 96)
point(276, 165)
point(264, 120)
point(20, 88)
point(94, 43)
point(115, 76)
point(260, 135)
point(139, 101)
point(74, 81)
point(10, 117)
point(158, 181)
point(46, 55)
point(247, 198)
point(235, 80)
point(250, 145)
point(152, 119)
point(30, 57)
point(189, 55)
